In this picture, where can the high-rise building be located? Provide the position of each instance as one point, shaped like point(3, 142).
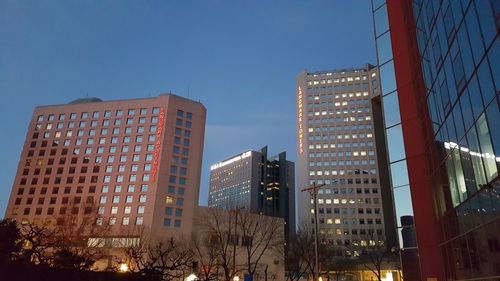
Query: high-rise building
point(341, 153)
point(440, 81)
point(257, 183)
point(127, 162)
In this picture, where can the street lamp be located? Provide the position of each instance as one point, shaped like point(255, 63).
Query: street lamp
point(123, 267)
point(191, 277)
point(313, 193)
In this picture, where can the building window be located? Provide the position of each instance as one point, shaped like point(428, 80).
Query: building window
point(177, 223)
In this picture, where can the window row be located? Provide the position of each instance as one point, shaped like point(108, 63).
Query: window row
point(53, 200)
point(348, 211)
point(349, 221)
point(95, 123)
point(93, 132)
point(55, 190)
point(337, 112)
point(96, 114)
point(125, 221)
point(336, 137)
point(115, 199)
point(126, 210)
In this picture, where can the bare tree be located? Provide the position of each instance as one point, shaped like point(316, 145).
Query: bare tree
point(159, 259)
point(221, 227)
point(374, 258)
point(305, 251)
point(40, 241)
point(295, 265)
point(74, 230)
point(261, 235)
point(205, 254)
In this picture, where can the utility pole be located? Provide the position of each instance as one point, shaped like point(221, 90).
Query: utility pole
point(312, 191)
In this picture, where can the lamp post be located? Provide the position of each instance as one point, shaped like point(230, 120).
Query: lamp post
point(123, 267)
point(312, 191)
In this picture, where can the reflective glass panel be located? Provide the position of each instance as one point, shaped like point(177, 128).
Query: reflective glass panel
point(387, 77)
point(399, 174)
point(384, 48)
point(395, 143)
point(391, 109)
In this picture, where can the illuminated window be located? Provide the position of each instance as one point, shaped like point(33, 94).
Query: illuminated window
point(169, 200)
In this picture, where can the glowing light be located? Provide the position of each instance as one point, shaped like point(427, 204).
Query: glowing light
point(156, 154)
point(232, 160)
point(236, 278)
point(191, 277)
point(123, 267)
point(388, 277)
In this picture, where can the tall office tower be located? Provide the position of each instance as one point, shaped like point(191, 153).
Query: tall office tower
point(127, 162)
point(338, 151)
point(440, 81)
point(257, 183)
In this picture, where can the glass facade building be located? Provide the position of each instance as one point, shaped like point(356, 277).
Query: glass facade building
point(256, 183)
point(440, 81)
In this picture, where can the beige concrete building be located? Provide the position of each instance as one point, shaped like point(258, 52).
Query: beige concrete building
point(237, 237)
point(127, 162)
point(337, 121)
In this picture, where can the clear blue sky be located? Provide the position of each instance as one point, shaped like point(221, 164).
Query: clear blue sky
point(239, 58)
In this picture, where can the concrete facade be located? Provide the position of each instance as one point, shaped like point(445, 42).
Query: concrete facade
point(127, 162)
point(338, 152)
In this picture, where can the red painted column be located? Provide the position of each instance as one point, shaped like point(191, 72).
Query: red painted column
point(418, 136)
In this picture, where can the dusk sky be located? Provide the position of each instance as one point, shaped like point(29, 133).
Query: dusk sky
point(239, 58)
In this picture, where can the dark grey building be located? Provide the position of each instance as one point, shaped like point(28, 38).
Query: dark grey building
point(255, 182)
